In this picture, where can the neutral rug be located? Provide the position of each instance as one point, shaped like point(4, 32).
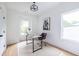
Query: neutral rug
point(26, 50)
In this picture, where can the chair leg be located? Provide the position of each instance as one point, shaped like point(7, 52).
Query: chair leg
point(45, 43)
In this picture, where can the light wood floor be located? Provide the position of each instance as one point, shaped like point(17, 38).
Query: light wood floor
point(13, 51)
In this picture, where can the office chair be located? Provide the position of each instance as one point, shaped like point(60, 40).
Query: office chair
point(43, 37)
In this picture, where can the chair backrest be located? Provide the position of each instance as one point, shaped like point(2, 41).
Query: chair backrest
point(43, 35)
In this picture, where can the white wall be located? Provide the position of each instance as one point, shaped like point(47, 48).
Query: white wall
point(14, 19)
point(54, 35)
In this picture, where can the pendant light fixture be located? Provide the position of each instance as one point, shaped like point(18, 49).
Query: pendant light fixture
point(34, 7)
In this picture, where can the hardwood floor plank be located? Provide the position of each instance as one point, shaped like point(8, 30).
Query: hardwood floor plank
point(11, 51)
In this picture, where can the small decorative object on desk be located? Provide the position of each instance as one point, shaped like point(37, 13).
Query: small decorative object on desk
point(28, 31)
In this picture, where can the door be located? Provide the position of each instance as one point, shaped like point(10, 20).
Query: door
point(2, 34)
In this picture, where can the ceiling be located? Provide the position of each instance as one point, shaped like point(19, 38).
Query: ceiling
point(25, 6)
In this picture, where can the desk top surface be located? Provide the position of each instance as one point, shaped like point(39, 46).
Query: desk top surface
point(36, 36)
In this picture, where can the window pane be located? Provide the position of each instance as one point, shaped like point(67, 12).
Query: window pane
point(24, 27)
point(71, 25)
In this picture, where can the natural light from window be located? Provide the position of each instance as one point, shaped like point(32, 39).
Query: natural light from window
point(71, 25)
point(24, 27)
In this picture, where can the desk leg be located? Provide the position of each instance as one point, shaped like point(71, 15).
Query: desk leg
point(41, 44)
point(33, 44)
point(26, 40)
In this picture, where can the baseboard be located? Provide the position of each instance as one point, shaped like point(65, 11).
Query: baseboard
point(61, 49)
point(14, 43)
point(11, 44)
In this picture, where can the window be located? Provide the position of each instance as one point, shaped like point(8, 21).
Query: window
point(24, 27)
point(71, 25)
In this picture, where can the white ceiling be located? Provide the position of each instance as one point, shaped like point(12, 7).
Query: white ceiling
point(25, 6)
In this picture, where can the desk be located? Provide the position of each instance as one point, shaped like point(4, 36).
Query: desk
point(33, 38)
